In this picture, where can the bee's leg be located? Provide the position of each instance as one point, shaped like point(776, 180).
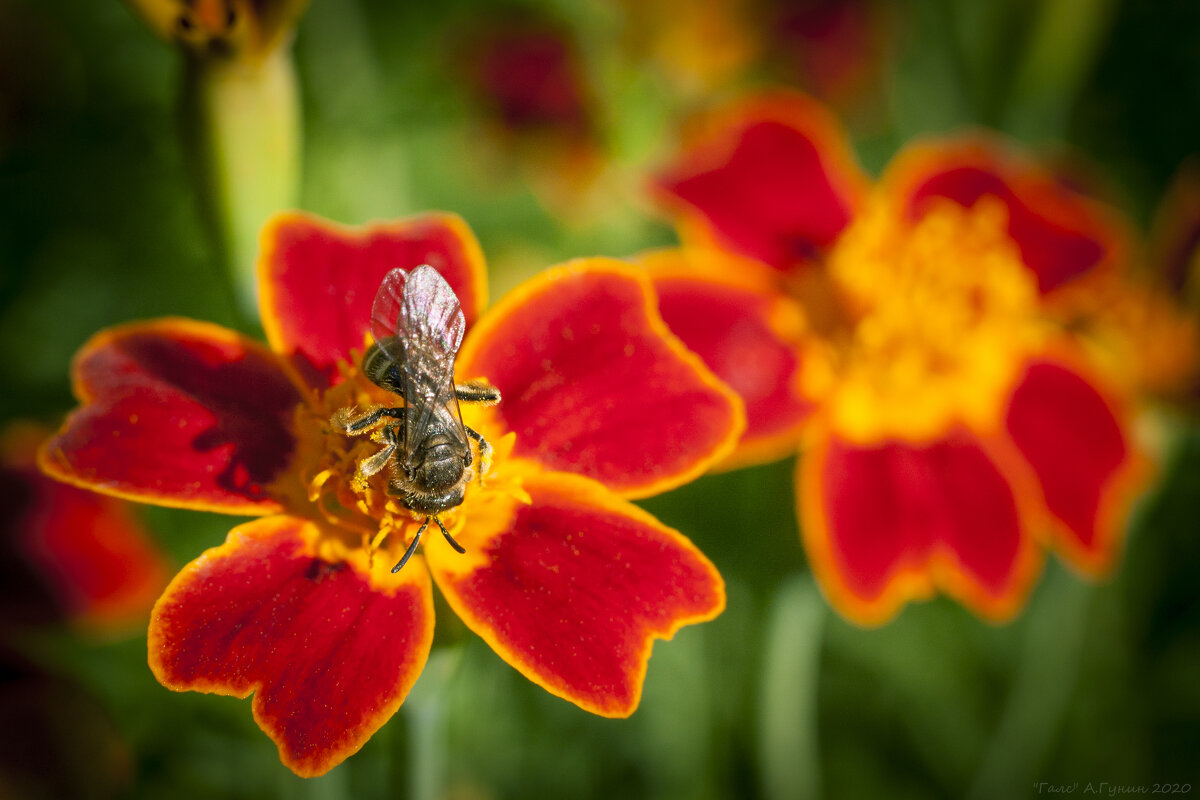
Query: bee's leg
point(344, 420)
point(412, 547)
point(457, 547)
point(485, 450)
point(369, 466)
point(477, 392)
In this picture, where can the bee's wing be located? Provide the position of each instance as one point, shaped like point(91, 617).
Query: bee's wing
point(417, 309)
point(418, 322)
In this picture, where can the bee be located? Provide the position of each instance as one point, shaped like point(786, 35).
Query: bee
point(418, 325)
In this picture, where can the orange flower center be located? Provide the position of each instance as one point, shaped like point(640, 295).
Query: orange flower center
point(360, 515)
point(943, 314)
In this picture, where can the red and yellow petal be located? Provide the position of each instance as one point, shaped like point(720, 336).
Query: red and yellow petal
point(329, 652)
point(747, 331)
point(178, 413)
point(318, 280)
point(573, 588)
point(894, 521)
point(92, 555)
point(1077, 440)
point(594, 383)
point(771, 178)
point(1062, 235)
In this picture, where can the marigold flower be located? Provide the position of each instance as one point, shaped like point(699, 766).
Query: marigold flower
point(70, 554)
point(949, 422)
point(527, 74)
point(562, 576)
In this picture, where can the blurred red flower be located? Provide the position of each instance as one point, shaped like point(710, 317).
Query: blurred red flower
point(70, 554)
point(912, 343)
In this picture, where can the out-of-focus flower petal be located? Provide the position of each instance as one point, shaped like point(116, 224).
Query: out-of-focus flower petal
point(1138, 332)
point(527, 70)
point(328, 651)
point(1176, 236)
point(573, 588)
point(178, 413)
point(594, 383)
point(1063, 236)
point(90, 554)
point(1078, 443)
point(699, 47)
point(833, 48)
point(526, 74)
point(747, 332)
point(318, 279)
point(891, 522)
point(771, 178)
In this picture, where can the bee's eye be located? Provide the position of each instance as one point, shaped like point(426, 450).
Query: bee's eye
point(185, 23)
point(230, 17)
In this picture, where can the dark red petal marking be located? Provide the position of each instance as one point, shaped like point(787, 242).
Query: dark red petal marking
point(594, 383)
point(887, 523)
point(319, 279)
point(772, 179)
point(732, 328)
point(1061, 235)
point(573, 589)
point(329, 657)
point(1080, 450)
point(177, 413)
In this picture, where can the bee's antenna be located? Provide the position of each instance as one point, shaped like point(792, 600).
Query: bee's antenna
point(413, 547)
point(458, 547)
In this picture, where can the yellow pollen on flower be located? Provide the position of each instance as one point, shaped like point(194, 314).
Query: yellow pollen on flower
point(362, 522)
point(1137, 332)
point(944, 313)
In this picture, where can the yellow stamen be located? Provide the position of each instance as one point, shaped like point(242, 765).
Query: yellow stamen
point(945, 312)
point(360, 515)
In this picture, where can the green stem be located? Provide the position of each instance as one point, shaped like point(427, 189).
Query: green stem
point(787, 747)
point(244, 115)
point(1041, 689)
point(425, 711)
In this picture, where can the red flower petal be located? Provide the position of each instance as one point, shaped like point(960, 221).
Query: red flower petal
point(1078, 445)
point(887, 523)
point(747, 332)
point(89, 551)
point(177, 413)
point(329, 656)
point(771, 178)
point(318, 280)
point(1062, 235)
point(594, 383)
point(573, 588)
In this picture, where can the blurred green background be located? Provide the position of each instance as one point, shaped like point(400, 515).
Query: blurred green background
point(100, 223)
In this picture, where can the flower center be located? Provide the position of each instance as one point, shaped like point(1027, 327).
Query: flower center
point(360, 508)
point(943, 311)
